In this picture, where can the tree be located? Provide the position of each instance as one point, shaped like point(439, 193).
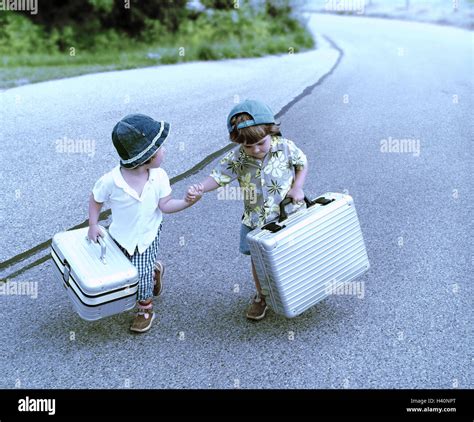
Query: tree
point(108, 14)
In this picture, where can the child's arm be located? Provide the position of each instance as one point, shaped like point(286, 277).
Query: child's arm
point(169, 205)
point(94, 212)
point(207, 185)
point(296, 192)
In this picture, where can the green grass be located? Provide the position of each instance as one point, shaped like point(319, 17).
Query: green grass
point(20, 70)
point(222, 35)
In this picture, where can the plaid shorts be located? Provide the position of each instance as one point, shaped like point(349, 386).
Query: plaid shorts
point(145, 264)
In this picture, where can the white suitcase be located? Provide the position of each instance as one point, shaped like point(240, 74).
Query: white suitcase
point(98, 278)
point(307, 256)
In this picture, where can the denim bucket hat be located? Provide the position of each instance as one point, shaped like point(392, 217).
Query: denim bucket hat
point(137, 138)
point(260, 112)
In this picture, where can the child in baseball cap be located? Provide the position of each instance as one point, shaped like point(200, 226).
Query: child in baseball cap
point(269, 165)
point(138, 191)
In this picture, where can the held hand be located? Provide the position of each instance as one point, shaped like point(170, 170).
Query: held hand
point(194, 193)
point(94, 232)
point(296, 194)
point(191, 198)
point(190, 195)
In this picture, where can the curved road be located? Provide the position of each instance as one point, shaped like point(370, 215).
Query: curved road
point(391, 125)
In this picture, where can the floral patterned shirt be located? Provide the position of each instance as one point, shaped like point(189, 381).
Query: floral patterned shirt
point(263, 183)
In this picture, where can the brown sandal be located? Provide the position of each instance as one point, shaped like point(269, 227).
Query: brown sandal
point(159, 273)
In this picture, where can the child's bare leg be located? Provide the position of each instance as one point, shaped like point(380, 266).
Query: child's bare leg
point(258, 308)
point(255, 278)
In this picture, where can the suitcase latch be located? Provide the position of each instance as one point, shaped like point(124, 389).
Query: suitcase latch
point(323, 201)
point(273, 227)
point(67, 272)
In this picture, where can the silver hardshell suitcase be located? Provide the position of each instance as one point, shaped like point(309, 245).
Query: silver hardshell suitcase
point(303, 258)
point(98, 278)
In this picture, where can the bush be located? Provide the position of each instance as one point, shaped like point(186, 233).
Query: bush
point(18, 35)
point(110, 14)
point(94, 25)
point(218, 4)
point(213, 34)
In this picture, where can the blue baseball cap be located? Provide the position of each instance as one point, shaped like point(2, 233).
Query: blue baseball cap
point(261, 114)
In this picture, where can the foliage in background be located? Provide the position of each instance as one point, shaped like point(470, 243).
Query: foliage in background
point(109, 14)
point(75, 37)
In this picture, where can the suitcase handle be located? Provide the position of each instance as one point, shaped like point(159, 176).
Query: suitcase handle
point(320, 201)
point(287, 201)
point(103, 248)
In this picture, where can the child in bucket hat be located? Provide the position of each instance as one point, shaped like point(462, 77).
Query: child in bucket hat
point(139, 192)
point(268, 168)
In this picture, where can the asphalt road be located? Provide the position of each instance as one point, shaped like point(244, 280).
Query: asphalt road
point(412, 327)
point(56, 136)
